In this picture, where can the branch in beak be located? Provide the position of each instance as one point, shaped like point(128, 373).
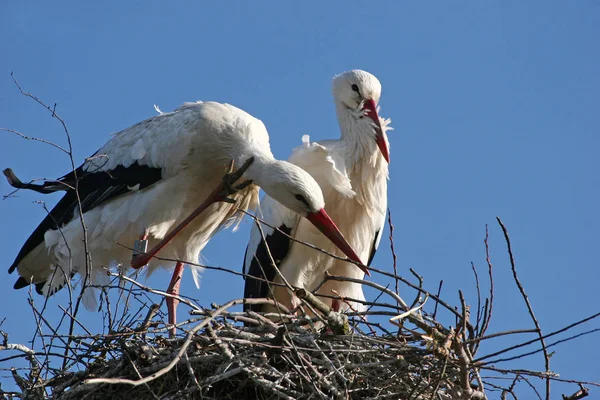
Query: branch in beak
point(323, 222)
point(371, 110)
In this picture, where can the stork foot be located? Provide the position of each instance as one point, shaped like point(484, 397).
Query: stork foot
point(295, 303)
point(230, 178)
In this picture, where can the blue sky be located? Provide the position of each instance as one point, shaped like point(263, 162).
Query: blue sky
point(494, 105)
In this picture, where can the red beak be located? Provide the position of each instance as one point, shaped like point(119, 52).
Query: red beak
point(321, 220)
point(371, 109)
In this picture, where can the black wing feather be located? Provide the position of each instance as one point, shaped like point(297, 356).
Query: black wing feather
point(374, 247)
point(279, 244)
point(95, 188)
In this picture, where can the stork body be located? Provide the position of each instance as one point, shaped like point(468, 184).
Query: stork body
point(352, 173)
point(145, 181)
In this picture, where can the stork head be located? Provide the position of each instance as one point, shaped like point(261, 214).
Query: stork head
point(359, 91)
point(297, 190)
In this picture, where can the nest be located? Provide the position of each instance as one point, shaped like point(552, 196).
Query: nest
point(225, 362)
point(220, 358)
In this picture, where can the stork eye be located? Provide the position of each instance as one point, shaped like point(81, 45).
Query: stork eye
point(355, 88)
point(301, 198)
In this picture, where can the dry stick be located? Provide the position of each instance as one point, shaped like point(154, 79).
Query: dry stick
point(437, 296)
point(547, 347)
point(466, 315)
point(566, 328)
point(526, 380)
point(538, 374)
point(73, 317)
point(27, 352)
point(148, 320)
point(478, 316)
point(497, 334)
point(417, 299)
point(33, 139)
point(580, 394)
point(394, 258)
point(529, 308)
point(463, 362)
point(35, 354)
point(487, 317)
point(250, 301)
point(510, 389)
point(108, 310)
point(38, 325)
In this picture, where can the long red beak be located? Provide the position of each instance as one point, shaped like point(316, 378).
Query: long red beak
point(371, 109)
point(323, 222)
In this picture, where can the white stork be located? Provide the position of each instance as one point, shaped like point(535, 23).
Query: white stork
point(147, 179)
point(352, 173)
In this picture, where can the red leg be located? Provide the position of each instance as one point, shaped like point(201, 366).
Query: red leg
point(171, 302)
point(219, 194)
point(335, 305)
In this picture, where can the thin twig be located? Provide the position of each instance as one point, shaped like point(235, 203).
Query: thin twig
point(529, 308)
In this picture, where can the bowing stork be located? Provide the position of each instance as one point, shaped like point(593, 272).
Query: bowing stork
point(143, 184)
point(352, 172)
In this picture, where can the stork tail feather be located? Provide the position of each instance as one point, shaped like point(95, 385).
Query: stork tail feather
point(21, 283)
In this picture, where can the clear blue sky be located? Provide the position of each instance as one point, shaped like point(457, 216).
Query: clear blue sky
point(495, 109)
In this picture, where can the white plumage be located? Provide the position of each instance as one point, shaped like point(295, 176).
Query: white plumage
point(352, 173)
point(146, 180)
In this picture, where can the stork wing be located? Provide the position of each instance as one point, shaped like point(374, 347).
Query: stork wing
point(131, 160)
point(378, 234)
point(94, 189)
point(267, 250)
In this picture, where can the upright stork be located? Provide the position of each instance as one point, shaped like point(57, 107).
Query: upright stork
point(352, 173)
point(146, 181)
